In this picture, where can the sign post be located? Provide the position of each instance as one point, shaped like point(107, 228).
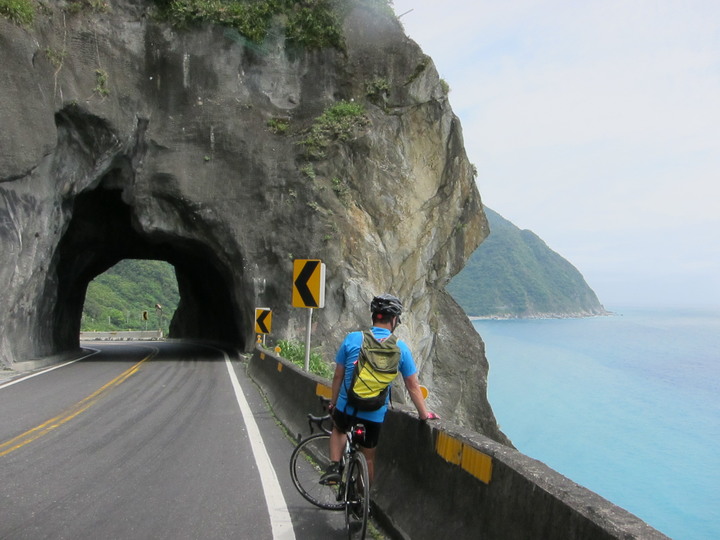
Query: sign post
point(308, 292)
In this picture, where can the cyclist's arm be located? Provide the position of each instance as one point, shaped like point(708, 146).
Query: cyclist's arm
point(337, 382)
point(413, 387)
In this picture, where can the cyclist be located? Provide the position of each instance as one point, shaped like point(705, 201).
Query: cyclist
point(386, 310)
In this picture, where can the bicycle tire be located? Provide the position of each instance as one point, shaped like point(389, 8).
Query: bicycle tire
point(308, 460)
point(357, 497)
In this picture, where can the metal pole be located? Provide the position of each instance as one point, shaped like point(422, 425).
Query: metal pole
point(307, 340)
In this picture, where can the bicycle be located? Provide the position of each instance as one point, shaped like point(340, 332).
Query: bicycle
point(352, 494)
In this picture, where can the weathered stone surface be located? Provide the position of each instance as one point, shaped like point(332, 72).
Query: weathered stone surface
point(125, 138)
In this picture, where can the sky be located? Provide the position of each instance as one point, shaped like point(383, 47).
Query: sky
point(595, 124)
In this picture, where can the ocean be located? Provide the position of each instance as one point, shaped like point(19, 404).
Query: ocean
point(626, 405)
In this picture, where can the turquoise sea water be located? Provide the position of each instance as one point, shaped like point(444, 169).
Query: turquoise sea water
point(626, 405)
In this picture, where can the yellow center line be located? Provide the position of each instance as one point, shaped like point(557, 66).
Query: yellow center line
point(80, 407)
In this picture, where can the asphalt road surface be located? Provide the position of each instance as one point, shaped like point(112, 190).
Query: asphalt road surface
point(147, 441)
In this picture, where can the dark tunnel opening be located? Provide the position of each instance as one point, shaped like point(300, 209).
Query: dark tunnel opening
point(101, 234)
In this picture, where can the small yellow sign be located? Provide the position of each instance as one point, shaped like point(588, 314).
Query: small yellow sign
point(263, 320)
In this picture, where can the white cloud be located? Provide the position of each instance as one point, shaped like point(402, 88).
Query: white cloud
point(596, 119)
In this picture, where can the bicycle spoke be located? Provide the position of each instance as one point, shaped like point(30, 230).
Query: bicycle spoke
point(307, 462)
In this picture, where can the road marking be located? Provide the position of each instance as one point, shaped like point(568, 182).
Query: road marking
point(80, 407)
point(15, 381)
point(280, 521)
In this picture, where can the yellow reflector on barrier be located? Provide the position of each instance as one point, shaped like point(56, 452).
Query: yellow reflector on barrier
point(477, 463)
point(323, 391)
point(467, 457)
point(449, 448)
point(279, 366)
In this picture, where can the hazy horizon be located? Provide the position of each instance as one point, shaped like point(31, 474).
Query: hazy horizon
point(595, 125)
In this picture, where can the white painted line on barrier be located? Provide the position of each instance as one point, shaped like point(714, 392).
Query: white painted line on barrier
point(280, 521)
point(53, 368)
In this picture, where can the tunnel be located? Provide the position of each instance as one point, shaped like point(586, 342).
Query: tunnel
point(103, 231)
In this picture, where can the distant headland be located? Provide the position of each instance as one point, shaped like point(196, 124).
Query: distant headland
point(515, 275)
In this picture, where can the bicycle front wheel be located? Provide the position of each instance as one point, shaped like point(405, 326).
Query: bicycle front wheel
point(357, 497)
point(307, 462)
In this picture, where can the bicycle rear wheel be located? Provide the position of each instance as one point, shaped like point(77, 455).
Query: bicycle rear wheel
point(307, 462)
point(357, 497)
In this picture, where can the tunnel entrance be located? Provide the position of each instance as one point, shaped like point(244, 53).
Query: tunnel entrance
point(102, 232)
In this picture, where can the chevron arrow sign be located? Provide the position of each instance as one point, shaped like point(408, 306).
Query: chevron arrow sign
point(308, 283)
point(263, 320)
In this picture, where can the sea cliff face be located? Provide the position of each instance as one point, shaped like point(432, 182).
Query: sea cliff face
point(125, 136)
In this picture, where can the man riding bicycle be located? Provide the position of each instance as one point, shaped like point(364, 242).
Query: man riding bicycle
point(386, 310)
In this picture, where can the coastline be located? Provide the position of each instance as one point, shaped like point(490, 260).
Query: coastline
point(534, 316)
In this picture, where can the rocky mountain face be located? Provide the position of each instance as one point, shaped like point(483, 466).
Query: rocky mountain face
point(125, 136)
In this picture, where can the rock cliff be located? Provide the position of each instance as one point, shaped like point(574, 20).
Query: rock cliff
point(125, 136)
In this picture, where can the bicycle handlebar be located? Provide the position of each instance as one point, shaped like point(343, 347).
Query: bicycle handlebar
point(318, 420)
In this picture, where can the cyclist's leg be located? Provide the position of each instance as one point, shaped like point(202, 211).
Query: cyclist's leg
point(337, 443)
point(335, 449)
point(369, 454)
point(372, 436)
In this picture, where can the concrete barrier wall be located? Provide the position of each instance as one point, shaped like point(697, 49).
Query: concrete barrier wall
point(435, 480)
point(125, 335)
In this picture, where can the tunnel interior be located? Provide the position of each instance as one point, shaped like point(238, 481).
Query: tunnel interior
point(101, 233)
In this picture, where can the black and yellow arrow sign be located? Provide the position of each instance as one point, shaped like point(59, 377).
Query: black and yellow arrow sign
point(263, 320)
point(308, 283)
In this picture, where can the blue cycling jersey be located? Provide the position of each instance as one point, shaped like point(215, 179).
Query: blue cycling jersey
point(347, 356)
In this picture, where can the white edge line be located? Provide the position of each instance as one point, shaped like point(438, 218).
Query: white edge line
point(280, 521)
point(53, 368)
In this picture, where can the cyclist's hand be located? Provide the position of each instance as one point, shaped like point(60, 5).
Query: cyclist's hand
point(431, 416)
point(331, 407)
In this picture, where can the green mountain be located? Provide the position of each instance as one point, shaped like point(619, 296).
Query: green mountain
point(515, 274)
point(117, 299)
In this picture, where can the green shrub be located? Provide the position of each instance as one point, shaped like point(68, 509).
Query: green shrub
point(377, 90)
point(315, 26)
point(252, 20)
point(101, 83)
point(336, 123)
point(295, 352)
point(56, 57)
point(18, 11)
point(341, 189)
point(278, 126)
point(309, 24)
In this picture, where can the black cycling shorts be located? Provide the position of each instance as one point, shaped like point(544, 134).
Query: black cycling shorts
point(343, 422)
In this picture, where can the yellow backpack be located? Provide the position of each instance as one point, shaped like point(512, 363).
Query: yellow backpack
point(375, 368)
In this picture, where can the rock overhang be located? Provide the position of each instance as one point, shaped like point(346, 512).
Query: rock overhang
point(181, 152)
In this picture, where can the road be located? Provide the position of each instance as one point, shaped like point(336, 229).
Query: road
point(147, 441)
